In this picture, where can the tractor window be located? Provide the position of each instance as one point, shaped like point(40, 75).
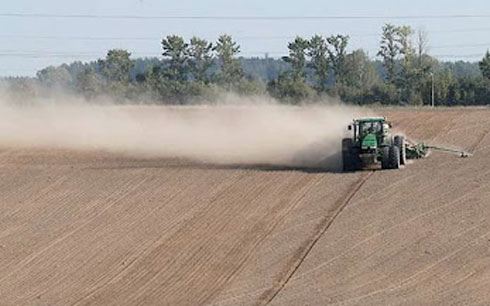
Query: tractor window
point(371, 128)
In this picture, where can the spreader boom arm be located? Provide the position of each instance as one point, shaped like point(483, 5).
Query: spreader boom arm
point(420, 150)
point(462, 153)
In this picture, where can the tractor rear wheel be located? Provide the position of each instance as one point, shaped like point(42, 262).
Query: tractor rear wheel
point(400, 143)
point(348, 159)
point(394, 157)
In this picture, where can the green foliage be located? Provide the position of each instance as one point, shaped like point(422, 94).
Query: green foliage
point(337, 53)
point(318, 53)
point(297, 57)
point(248, 86)
point(484, 65)
point(116, 66)
point(462, 69)
point(389, 50)
point(89, 83)
point(190, 72)
point(263, 69)
point(443, 81)
point(403, 38)
point(407, 67)
point(231, 71)
point(386, 93)
point(21, 90)
point(291, 90)
point(409, 77)
point(54, 77)
point(201, 58)
point(175, 50)
point(115, 70)
point(360, 71)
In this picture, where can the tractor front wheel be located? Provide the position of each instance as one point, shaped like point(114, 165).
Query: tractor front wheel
point(385, 157)
point(348, 158)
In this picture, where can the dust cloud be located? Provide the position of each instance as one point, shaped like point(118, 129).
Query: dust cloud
point(235, 131)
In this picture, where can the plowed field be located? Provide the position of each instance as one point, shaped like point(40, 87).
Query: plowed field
point(98, 228)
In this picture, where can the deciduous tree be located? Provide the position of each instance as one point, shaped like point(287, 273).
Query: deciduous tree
point(175, 51)
point(337, 52)
point(484, 65)
point(54, 77)
point(231, 71)
point(201, 58)
point(318, 53)
point(116, 66)
point(89, 83)
point(297, 57)
point(389, 50)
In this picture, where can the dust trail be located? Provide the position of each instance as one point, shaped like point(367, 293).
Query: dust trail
point(248, 132)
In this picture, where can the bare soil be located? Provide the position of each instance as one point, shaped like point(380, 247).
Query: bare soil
point(95, 228)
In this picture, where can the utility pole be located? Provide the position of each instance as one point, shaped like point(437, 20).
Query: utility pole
point(432, 91)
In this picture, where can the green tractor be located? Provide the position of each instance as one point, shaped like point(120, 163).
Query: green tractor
point(372, 144)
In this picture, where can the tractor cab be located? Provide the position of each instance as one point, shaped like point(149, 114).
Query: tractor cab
point(370, 133)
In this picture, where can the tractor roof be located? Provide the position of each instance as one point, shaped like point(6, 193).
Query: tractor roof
point(371, 119)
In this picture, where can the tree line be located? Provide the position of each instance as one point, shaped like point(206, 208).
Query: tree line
point(314, 68)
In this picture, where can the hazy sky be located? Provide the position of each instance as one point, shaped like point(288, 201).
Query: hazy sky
point(31, 43)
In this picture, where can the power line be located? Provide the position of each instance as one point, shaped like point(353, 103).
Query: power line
point(461, 46)
point(249, 37)
point(460, 30)
point(47, 53)
point(244, 18)
point(474, 55)
point(91, 55)
point(157, 39)
point(121, 38)
point(44, 54)
point(96, 38)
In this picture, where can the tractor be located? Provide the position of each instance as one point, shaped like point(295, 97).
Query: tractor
point(372, 144)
